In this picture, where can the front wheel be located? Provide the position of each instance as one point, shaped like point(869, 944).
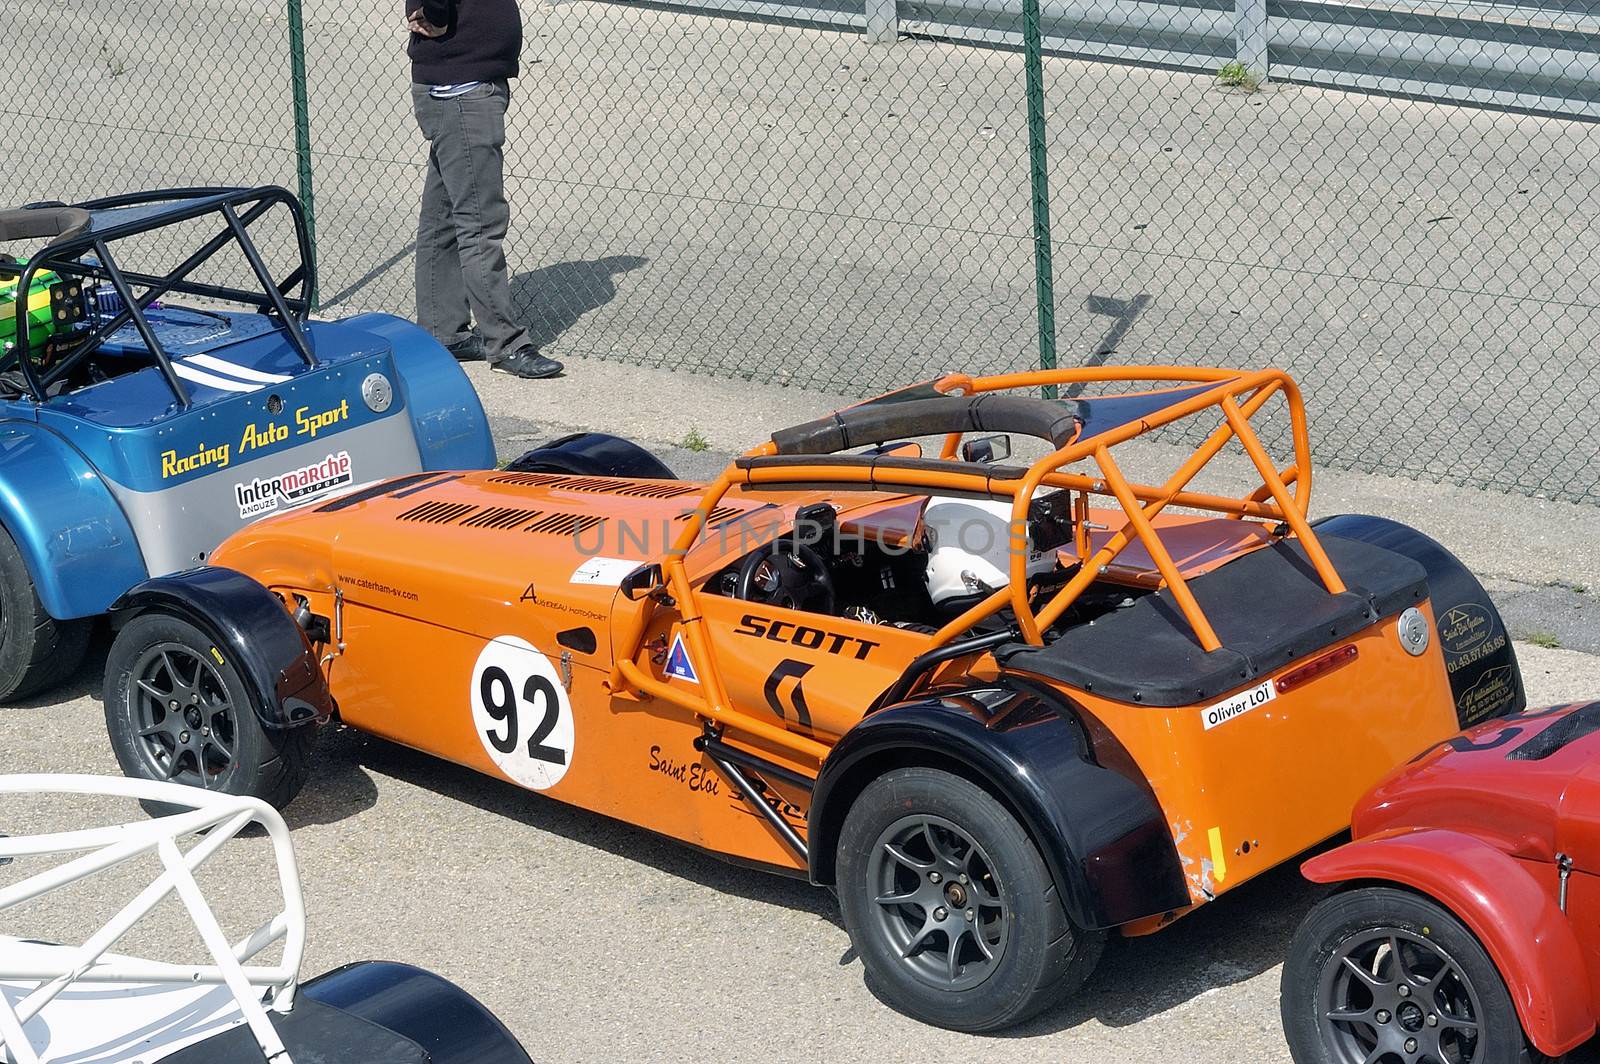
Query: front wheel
point(1378, 975)
point(37, 651)
point(178, 709)
point(951, 907)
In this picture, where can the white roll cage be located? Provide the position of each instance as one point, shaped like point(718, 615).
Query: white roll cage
point(220, 817)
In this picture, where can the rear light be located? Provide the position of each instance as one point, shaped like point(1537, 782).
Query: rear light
point(1316, 667)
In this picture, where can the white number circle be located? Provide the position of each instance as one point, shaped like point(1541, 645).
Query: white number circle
point(522, 713)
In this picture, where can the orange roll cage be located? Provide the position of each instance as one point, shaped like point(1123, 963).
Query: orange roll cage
point(1283, 497)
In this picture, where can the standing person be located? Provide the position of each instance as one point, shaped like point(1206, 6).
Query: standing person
point(463, 57)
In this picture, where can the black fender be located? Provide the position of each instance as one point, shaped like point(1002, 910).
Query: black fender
point(272, 652)
point(451, 1025)
point(1094, 818)
point(593, 454)
point(1485, 679)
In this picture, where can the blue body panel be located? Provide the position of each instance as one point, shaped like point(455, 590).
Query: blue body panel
point(74, 537)
point(70, 467)
point(452, 431)
point(136, 435)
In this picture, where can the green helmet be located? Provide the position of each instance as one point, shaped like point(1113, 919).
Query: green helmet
point(53, 306)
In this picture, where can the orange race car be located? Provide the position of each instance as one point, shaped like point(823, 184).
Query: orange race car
point(999, 719)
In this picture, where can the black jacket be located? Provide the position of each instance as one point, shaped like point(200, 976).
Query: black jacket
point(481, 42)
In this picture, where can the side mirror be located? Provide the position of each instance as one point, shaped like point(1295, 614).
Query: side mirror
point(986, 449)
point(642, 582)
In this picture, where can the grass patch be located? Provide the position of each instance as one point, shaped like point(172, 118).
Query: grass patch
point(1236, 75)
point(1547, 640)
point(694, 441)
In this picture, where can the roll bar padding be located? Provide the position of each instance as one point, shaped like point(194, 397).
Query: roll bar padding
point(50, 223)
point(874, 423)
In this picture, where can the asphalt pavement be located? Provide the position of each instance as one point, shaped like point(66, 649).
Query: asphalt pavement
point(596, 941)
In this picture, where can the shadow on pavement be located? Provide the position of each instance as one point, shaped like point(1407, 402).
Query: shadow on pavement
point(579, 825)
point(1237, 937)
point(552, 298)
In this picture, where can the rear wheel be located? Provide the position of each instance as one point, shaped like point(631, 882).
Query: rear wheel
point(951, 907)
point(37, 651)
point(178, 709)
point(1378, 975)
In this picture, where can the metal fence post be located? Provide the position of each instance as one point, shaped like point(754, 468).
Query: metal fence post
point(1250, 36)
point(883, 21)
point(302, 125)
point(1039, 179)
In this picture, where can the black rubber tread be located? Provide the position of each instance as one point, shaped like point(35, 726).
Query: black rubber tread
point(1048, 957)
point(270, 764)
point(37, 651)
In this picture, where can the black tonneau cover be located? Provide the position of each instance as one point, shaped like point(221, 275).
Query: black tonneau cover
point(1268, 608)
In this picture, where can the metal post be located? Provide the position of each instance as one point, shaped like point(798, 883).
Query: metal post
point(1250, 37)
point(883, 21)
point(1038, 160)
point(302, 129)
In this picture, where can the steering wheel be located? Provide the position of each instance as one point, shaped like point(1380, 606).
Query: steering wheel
point(787, 574)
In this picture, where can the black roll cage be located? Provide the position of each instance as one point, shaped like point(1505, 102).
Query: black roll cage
point(238, 208)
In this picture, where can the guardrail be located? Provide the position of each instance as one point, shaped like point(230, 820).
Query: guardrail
point(1542, 58)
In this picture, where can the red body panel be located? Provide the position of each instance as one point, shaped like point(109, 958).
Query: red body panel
point(1503, 901)
point(1479, 824)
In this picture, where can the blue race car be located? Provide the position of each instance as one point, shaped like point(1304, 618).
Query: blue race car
point(136, 434)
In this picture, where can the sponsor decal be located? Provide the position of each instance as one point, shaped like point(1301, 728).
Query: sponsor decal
point(255, 437)
point(694, 775)
point(261, 496)
point(381, 588)
point(1464, 627)
point(1489, 694)
point(1476, 654)
point(1233, 706)
point(602, 570)
point(804, 636)
point(176, 465)
point(309, 424)
point(678, 663)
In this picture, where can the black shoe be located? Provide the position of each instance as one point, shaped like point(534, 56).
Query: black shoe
point(528, 363)
point(468, 350)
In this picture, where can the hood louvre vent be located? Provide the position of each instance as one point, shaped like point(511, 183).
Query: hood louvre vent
point(532, 480)
point(717, 516)
point(564, 524)
point(437, 512)
point(501, 517)
point(598, 485)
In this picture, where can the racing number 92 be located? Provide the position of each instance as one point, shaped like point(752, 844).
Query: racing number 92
point(500, 702)
point(521, 712)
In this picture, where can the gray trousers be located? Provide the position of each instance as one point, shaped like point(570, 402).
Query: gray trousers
point(461, 265)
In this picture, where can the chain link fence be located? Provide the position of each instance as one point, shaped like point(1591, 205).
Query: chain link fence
point(1392, 199)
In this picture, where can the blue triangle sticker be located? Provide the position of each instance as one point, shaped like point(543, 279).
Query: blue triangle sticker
point(678, 663)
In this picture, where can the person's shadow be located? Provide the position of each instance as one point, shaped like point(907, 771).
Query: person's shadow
point(551, 299)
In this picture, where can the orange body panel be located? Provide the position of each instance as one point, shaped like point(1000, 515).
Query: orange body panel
point(1284, 776)
point(478, 618)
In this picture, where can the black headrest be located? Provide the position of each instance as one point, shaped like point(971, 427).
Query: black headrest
point(50, 223)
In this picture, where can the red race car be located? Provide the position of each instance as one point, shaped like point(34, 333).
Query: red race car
point(1468, 929)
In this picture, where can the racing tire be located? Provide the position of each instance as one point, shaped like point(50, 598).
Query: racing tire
point(1335, 1014)
point(951, 907)
point(178, 709)
point(37, 651)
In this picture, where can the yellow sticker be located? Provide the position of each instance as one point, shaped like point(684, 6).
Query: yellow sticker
point(218, 655)
point(1219, 860)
